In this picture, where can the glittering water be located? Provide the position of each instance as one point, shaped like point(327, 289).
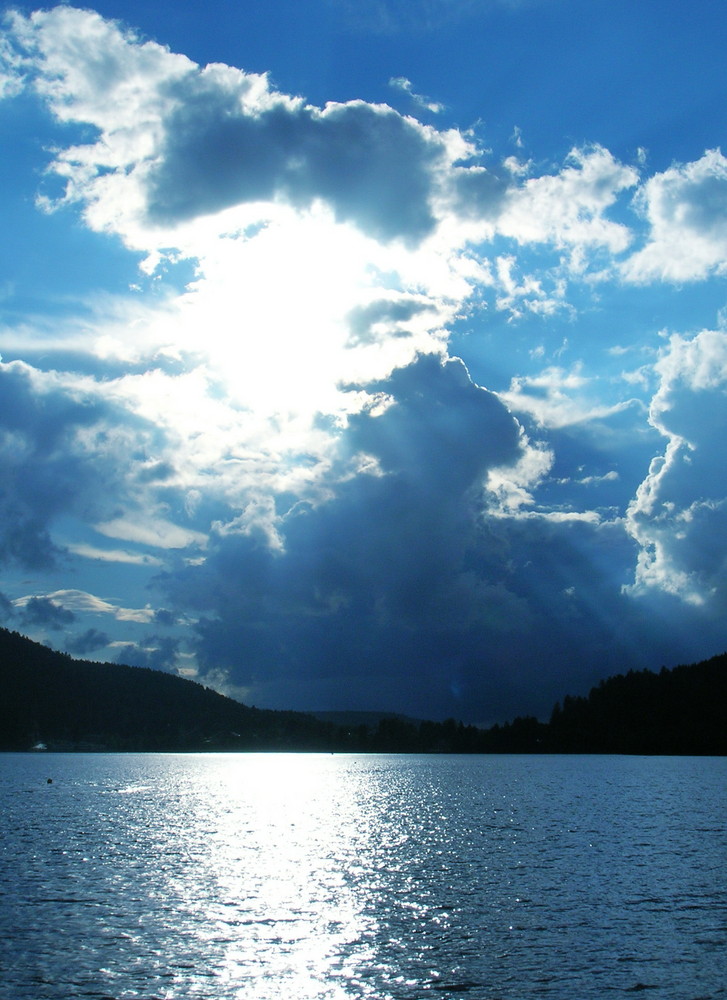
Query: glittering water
point(305, 877)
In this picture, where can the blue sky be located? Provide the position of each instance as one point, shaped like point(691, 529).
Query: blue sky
point(366, 355)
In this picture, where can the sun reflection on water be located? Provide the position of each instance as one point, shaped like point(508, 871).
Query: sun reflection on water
point(293, 915)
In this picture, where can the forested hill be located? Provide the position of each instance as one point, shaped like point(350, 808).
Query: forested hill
point(47, 697)
point(683, 711)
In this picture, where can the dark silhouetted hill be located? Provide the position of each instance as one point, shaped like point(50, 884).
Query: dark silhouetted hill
point(48, 697)
point(682, 711)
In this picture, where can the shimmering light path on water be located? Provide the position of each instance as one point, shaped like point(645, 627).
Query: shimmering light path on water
point(260, 877)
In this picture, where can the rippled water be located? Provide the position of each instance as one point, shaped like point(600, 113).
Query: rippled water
point(318, 876)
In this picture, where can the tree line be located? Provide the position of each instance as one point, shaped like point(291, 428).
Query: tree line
point(50, 699)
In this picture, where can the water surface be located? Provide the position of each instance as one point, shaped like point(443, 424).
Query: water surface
point(306, 877)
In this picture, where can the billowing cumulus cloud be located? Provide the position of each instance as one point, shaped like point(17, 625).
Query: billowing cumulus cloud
point(686, 207)
point(372, 166)
point(179, 141)
point(568, 209)
point(268, 449)
point(680, 512)
point(365, 576)
point(402, 582)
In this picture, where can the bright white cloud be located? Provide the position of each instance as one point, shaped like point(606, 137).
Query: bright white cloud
point(402, 83)
point(81, 601)
point(568, 209)
point(154, 532)
point(686, 208)
point(557, 397)
point(510, 489)
point(680, 511)
point(519, 296)
point(11, 63)
point(114, 555)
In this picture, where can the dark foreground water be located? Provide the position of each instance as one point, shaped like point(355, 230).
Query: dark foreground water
point(317, 876)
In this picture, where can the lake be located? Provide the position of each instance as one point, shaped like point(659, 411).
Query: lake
point(315, 876)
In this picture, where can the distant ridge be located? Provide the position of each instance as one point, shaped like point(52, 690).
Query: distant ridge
point(48, 698)
point(355, 719)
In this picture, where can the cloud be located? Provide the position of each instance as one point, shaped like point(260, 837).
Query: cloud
point(80, 601)
point(49, 433)
point(164, 617)
point(568, 209)
point(88, 642)
point(401, 83)
point(393, 17)
point(372, 166)
point(46, 613)
point(680, 511)
point(113, 555)
point(72, 447)
point(554, 397)
point(7, 609)
point(178, 141)
point(686, 208)
point(528, 294)
point(155, 532)
point(388, 585)
point(381, 319)
point(405, 592)
point(11, 78)
point(346, 205)
point(155, 653)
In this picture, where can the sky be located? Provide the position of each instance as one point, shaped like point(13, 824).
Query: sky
point(366, 354)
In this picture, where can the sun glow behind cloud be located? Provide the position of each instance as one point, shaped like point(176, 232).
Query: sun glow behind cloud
point(263, 333)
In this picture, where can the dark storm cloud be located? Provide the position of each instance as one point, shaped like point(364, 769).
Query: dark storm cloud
point(372, 166)
point(89, 641)
point(46, 613)
point(403, 591)
point(44, 471)
point(385, 594)
point(164, 617)
point(440, 422)
point(6, 608)
point(157, 653)
point(40, 476)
